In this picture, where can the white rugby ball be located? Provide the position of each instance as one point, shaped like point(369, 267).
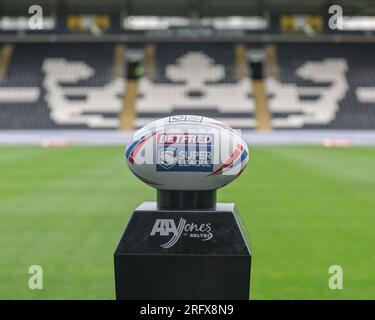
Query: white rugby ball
point(187, 152)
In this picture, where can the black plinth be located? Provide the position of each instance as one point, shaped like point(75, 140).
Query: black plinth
point(180, 199)
point(183, 254)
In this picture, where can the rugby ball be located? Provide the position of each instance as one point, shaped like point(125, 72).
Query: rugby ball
point(187, 152)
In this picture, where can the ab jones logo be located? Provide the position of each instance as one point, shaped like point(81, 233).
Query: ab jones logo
point(168, 228)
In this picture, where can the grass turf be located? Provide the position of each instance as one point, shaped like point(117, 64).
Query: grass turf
point(305, 209)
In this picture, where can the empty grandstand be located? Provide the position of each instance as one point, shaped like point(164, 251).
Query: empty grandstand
point(118, 70)
point(64, 86)
point(60, 86)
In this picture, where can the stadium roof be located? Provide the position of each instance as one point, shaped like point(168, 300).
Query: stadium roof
point(189, 7)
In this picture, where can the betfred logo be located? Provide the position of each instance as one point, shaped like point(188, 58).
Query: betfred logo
point(184, 152)
point(168, 228)
point(169, 138)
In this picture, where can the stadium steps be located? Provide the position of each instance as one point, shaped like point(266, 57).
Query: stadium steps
point(272, 61)
point(262, 114)
point(128, 112)
point(150, 61)
point(5, 57)
point(118, 60)
point(240, 61)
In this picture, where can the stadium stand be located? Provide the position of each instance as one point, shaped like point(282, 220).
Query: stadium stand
point(60, 86)
point(196, 79)
point(66, 86)
point(323, 86)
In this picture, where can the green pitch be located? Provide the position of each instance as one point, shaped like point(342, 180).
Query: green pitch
point(305, 209)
